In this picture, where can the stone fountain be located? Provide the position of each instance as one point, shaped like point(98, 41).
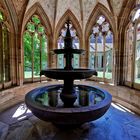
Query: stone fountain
point(68, 105)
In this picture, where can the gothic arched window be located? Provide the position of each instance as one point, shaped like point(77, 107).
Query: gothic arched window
point(132, 50)
point(75, 44)
point(4, 50)
point(35, 48)
point(101, 48)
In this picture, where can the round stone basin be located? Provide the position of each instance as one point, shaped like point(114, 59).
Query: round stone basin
point(91, 104)
point(70, 74)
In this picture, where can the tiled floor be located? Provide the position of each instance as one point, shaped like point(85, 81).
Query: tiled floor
point(118, 123)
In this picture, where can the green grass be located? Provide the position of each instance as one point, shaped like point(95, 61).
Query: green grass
point(137, 80)
point(108, 75)
point(28, 74)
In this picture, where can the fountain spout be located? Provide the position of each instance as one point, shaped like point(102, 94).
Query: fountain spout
point(68, 46)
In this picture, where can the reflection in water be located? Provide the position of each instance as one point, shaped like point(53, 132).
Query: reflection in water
point(85, 96)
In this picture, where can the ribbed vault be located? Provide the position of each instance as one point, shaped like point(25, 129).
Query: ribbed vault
point(82, 9)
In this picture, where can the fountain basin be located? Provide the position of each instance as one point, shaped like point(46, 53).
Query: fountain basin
point(82, 111)
point(62, 74)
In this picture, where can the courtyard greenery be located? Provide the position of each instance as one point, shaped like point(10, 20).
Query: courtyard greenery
point(35, 48)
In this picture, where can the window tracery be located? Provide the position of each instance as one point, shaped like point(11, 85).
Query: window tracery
point(132, 49)
point(75, 44)
point(101, 48)
point(35, 48)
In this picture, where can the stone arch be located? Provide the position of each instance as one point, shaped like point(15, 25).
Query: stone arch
point(125, 14)
point(61, 22)
point(124, 21)
point(37, 9)
point(97, 11)
point(10, 12)
point(12, 25)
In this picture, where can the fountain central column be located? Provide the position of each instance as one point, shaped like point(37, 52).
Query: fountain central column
point(68, 47)
point(68, 57)
point(68, 95)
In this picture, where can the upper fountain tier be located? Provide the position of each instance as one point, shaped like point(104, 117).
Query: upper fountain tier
point(61, 74)
point(68, 72)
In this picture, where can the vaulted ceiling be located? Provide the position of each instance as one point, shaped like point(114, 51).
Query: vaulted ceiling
point(82, 9)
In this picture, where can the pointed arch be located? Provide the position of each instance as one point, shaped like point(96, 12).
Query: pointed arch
point(37, 9)
point(68, 15)
point(110, 6)
point(9, 42)
point(124, 19)
point(131, 47)
point(97, 11)
point(10, 13)
point(126, 12)
point(100, 64)
point(63, 19)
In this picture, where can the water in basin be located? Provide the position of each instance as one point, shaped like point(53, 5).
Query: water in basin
point(86, 96)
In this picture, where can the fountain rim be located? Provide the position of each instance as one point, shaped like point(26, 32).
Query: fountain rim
point(33, 93)
point(69, 50)
point(74, 74)
point(69, 71)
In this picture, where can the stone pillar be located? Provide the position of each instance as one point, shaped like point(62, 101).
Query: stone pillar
point(1, 56)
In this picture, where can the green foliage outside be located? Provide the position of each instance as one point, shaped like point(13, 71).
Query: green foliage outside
point(36, 61)
point(137, 80)
point(35, 48)
point(1, 16)
point(108, 75)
